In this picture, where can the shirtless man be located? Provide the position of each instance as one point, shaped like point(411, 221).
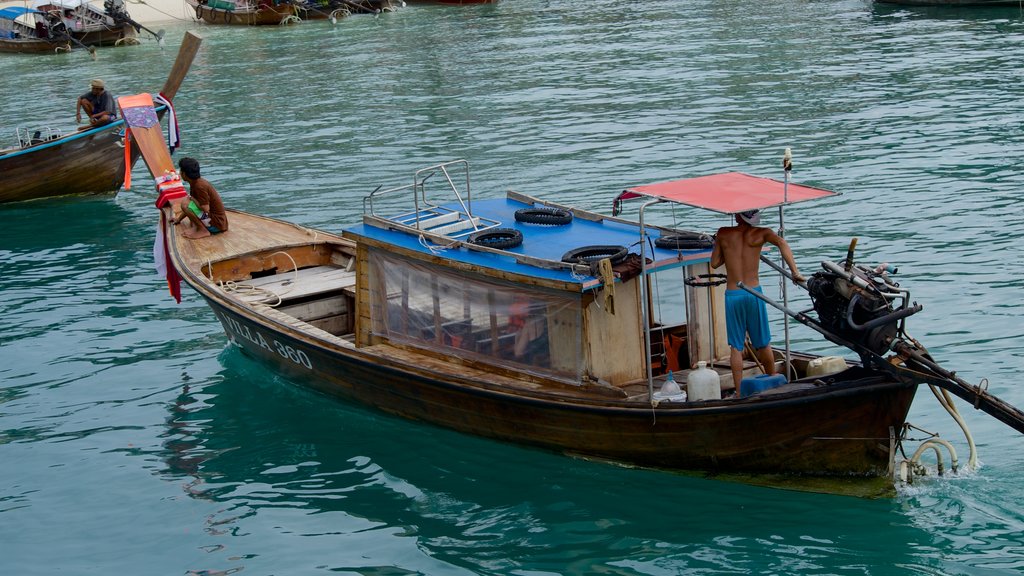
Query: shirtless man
point(739, 248)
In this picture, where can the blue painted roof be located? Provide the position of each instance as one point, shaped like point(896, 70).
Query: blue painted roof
point(13, 12)
point(539, 241)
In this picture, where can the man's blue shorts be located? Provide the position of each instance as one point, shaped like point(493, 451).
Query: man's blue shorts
point(745, 313)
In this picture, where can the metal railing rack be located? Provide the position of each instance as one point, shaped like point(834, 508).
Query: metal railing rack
point(428, 214)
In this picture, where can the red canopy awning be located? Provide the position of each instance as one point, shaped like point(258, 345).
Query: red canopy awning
point(727, 193)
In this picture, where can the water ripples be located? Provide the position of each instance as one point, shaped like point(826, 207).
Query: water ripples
point(128, 418)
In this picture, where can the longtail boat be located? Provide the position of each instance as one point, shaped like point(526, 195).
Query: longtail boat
point(48, 163)
point(60, 25)
point(268, 12)
point(243, 12)
point(56, 26)
point(86, 23)
point(533, 322)
point(17, 35)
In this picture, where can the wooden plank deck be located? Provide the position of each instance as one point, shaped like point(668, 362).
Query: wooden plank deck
point(246, 234)
point(299, 284)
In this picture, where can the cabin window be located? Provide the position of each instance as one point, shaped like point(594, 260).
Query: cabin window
point(464, 314)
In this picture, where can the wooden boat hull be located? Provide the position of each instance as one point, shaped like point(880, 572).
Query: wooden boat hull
point(89, 162)
point(268, 16)
point(32, 46)
point(105, 36)
point(102, 37)
point(845, 429)
point(848, 435)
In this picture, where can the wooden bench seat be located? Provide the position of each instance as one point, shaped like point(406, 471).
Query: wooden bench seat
point(292, 285)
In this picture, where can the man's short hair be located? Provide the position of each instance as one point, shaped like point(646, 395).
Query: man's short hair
point(189, 167)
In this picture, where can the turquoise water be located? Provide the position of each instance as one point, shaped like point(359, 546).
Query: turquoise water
point(134, 441)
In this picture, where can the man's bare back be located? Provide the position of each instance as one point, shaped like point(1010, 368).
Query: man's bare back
point(739, 248)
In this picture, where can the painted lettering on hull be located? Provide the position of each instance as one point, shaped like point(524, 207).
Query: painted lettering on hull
point(236, 330)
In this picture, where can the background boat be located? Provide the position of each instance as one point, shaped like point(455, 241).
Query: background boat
point(18, 36)
point(251, 13)
point(47, 163)
point(244, 12)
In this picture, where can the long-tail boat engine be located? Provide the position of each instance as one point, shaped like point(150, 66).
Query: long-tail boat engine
point(860, 304)
point(863, 309)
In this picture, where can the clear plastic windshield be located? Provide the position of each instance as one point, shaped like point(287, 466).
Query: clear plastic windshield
point(469, 316)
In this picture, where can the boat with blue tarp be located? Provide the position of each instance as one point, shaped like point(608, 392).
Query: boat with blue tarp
point(56, 26)
point(529, 321)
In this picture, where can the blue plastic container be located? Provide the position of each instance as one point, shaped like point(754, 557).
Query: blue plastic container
point(760, 383)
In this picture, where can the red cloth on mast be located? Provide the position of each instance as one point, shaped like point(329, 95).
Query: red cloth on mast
point(170, 189)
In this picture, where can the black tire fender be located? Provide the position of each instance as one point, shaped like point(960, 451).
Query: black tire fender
point(498, 238)
point(545, 215)
point(588, 254)
point(684, 241)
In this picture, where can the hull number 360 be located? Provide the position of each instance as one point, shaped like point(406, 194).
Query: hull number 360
point(284, 350)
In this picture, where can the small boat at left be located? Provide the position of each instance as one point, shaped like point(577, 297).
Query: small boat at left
point(27, 31)
point(46, 163)
point(61, 25)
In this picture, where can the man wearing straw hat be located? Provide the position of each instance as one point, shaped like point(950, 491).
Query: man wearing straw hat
point(739, 248)
point(98, 105)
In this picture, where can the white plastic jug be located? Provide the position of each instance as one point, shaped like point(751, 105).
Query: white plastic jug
point(825, 365)
point(703, 384)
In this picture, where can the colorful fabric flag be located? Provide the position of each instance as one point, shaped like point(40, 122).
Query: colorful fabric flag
point(173, 132)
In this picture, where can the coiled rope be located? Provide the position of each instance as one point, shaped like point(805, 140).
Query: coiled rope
point(434, 248)
point(243, 289)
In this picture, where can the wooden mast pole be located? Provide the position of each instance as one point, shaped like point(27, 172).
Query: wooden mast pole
point(186, 53)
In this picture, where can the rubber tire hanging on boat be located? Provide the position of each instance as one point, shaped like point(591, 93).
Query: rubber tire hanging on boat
point(549, 216)
point(588, 254)
point(705, 280)
point(498, 238)
point(684, 241)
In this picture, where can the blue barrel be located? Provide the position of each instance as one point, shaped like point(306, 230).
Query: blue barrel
point(760, 383)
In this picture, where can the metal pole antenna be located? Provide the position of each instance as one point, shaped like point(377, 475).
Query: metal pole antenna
point(643, 301)
point(787, 167)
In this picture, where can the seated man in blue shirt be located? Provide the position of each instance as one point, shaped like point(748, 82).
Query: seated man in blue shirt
point(98, 105)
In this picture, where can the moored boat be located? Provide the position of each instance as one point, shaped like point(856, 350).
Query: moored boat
point(46, 162)
point(20, 34)
point(86, 23)
point(61, 25)
point(244, 12)
point(531, 322)
point(268, 12)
